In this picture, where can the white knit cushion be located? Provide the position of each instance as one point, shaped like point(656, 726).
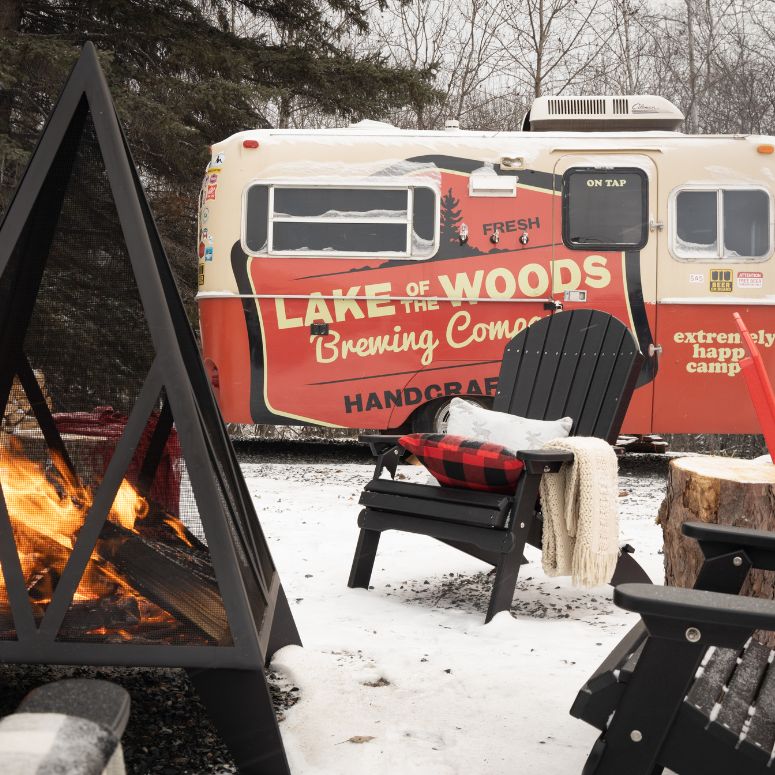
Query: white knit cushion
point(469, 419)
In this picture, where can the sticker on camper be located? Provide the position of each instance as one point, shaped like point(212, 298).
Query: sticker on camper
point(211, 192)
point(750, 280)
point(213, 178)
point(697, 277)
point(220, 158)
point(209, 253)
point(721, 281)
point(201, 274)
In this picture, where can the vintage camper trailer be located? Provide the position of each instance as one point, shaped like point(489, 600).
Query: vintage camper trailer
point(363, 276)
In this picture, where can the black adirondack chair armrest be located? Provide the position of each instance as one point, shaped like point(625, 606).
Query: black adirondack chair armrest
point(715, 540)
point(543, 461)
point(697, 616)
point(389, 454)
point(379, 442)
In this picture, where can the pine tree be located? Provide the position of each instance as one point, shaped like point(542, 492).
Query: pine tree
point(451, 217)
point(182, 78)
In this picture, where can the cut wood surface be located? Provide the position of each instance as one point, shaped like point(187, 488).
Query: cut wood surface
point(723, 491)
point(175, 578)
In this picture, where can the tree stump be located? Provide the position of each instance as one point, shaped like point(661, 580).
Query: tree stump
point(724, 491)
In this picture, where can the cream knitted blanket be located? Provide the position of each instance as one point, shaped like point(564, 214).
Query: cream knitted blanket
point(580, 510)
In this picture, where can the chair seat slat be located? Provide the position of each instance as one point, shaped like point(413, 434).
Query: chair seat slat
point(483, 499)
point(709, 686)
point(742, 687)
point(421, 507)
point(761, 732)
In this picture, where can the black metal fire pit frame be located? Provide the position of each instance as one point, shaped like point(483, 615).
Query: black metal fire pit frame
point(230, 678)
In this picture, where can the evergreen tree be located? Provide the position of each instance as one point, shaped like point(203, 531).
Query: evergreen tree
point(450, 245)
point(451, 217)
point(182, 78)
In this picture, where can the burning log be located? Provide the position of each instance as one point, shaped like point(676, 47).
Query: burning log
point(84, 618)
point(114, 612)
point(176, 578)
point(147, 570)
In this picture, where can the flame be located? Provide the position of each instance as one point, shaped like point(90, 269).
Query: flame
point(52, 506)
point(128, 506)
point(47, 507)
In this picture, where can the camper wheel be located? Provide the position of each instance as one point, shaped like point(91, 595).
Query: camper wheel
point(434, 416)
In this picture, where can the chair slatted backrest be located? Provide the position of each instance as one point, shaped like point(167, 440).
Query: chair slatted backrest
point(581, 364)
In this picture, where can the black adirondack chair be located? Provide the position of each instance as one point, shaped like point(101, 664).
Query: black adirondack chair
point(655, 708)
point(582, 364)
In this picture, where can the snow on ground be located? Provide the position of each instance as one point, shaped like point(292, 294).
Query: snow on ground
point(406, 677)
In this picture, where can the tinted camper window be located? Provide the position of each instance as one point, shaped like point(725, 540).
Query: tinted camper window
point(696, 223)
point(341, 221)
point(605, 209)
point(722, 223)
point(746, 223)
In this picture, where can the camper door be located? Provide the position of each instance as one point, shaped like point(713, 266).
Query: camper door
point(604, 252)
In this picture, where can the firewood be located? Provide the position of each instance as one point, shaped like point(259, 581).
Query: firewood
point(157, 526)
point(175, 578)
point(113, 612)
point(166, 565)
point(18, 412)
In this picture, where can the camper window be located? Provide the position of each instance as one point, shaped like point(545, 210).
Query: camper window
point(721, 223)
point(341, 221)
point(605, 209)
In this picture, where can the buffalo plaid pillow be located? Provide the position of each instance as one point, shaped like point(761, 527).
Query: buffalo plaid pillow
point(457, 461)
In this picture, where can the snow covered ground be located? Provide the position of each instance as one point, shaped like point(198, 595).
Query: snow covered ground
point(406, 678)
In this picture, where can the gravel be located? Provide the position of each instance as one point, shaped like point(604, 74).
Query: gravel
point(169, 731)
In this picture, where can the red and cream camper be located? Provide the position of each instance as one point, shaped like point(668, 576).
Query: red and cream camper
point(363, 276)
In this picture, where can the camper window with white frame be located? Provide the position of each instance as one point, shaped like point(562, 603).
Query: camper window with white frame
point(731, 223)
point(336, 220)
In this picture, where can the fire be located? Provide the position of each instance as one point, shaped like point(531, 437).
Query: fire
point(54, 504)
point(128, 506)
point(47, 506)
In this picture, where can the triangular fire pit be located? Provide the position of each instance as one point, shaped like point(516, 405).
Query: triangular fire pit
point(127, 534)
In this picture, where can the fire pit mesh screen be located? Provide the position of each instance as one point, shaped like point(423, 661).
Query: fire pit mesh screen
point(151, 579)
point(86, 352)
point(88, 336)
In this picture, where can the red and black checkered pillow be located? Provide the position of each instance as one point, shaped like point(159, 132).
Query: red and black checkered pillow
point(457, 461)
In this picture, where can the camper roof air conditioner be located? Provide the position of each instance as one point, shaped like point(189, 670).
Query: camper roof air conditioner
point(603, 114)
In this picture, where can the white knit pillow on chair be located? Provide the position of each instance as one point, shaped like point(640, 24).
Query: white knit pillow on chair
point(475, 422)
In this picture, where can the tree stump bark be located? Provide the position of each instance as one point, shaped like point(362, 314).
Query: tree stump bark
point(724, 491)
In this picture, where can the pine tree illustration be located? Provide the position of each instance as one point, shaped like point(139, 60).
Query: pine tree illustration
point(450, 218)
